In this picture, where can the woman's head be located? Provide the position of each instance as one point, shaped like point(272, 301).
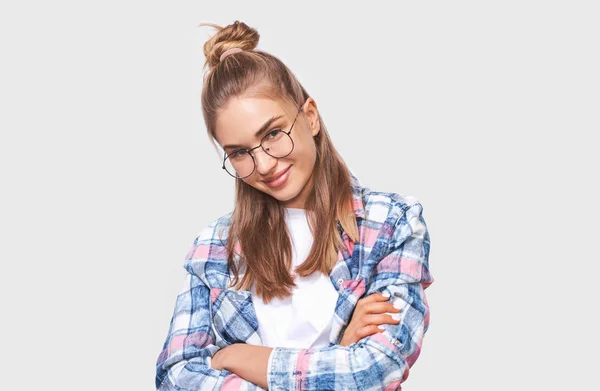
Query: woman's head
point(287, 134)
point(241, 93)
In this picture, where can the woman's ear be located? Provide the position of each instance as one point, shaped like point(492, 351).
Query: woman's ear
point(312, 113)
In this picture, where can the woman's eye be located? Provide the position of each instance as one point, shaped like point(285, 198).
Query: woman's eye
point(239, 153)
point(273, 133)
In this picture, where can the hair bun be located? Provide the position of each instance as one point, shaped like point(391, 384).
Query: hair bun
point(236, 35)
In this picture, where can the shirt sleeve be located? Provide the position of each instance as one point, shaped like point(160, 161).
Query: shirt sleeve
point(382, 360)
point(184, 362)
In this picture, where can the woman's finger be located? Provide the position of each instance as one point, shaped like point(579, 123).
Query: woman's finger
point(375, 303)
point(374, 297)
point(380, 307)
point(377, 319)
point(368, 330)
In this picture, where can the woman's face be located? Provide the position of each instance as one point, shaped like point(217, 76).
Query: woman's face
point(236, 127)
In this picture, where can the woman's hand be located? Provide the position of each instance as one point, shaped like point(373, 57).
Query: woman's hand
point(369, 313)
point(218, 359)
point(244, 360)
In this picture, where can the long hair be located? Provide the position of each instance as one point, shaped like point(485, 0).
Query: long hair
point(258, 233)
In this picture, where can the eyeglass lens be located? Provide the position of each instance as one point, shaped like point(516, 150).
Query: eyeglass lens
point(277, 144)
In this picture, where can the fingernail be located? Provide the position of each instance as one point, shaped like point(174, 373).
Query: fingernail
point(381, 327)
point(397, 306)
point(386, 294)
point(396, 316)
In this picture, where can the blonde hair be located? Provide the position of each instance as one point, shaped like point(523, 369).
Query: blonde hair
point(258, 226)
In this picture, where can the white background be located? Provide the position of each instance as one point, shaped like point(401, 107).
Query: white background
point(487, 112)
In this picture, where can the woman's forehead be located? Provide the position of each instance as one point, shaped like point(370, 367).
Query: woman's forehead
point(249, 109)
point(241, 118)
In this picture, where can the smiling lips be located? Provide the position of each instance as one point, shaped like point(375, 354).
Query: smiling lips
point(279, 179)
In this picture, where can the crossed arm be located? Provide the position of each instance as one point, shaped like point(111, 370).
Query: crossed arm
point(245, 360)
point(378, 361)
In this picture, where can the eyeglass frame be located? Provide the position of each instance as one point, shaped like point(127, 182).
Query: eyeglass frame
point(226, 156)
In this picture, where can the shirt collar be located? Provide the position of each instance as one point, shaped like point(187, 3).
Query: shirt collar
point(357, 196)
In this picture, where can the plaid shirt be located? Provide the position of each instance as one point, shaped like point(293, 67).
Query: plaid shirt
point(391, 256)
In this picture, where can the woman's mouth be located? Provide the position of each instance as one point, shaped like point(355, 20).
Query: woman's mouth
point(279, 181)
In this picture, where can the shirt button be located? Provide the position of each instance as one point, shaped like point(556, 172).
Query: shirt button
point(340, 281)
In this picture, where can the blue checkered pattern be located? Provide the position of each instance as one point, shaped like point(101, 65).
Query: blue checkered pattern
point(392, 255)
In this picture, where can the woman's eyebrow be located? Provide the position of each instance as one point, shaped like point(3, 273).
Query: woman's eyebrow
point(260, 131)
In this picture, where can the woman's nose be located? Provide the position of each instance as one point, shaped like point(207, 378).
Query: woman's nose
point(264, 161)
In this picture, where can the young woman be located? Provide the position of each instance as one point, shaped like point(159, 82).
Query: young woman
point(313, 281)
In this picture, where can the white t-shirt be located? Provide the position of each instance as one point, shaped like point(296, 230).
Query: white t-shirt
point(302, 320)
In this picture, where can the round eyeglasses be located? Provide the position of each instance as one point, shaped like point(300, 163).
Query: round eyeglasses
point(277, 143)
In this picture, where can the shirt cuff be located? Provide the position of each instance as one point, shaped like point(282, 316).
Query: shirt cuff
point(269, 368)
point(282, 368)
